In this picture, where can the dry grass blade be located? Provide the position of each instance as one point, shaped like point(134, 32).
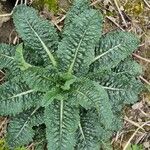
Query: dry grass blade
point(95, 2)
point(129, 141)
point(148, 83)
point(109, 18)
point(133, 123)
point(148, 5)
point(9, 14)
point(122, 17)
point(139, 57)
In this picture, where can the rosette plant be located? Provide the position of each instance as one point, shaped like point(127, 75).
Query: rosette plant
point(66, 90)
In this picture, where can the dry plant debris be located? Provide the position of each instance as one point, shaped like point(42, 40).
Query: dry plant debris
point(129, 15)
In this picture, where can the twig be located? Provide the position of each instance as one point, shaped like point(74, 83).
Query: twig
point(134, 123)
point(144, 113)
point(94, 3)
point(2, 79)
point(3, 75)
point(25, 2)
point(109, 18)
point(57, 26)
point(129, 141)
point(148, 5)
point(122, 17)
point(148, 83)
point(144, 59)
point(61, 19)
point(3, 122)
point(2, 72)
point(6, 15)
point(9, 14)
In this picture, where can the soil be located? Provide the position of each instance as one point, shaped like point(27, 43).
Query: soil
point(141, 28)
point(6, 24)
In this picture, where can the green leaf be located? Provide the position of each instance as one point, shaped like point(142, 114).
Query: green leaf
point(76, 50)
point(17, 97)
point(36, 32)
point(7, 61)
point(90, 94)
point(34, 57)
point(87, 133)
point(23, 65)
point(20, 148)
point(40, 79)
point(37, 118)
point(69, 79)
point(40, 138)
point(20, 131)
point(113, 48)
point(129, 66)
point(51, 95)
point(7, 53)
point(135, 147)
point(61, 123)
point(121, 88)
point(78, 7)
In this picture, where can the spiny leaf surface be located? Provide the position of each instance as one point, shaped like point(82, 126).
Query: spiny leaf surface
point(76, 50)
point(61, 123)
point(114, 47)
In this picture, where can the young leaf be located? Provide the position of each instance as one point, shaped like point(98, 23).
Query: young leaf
point(50, 96)
point(29, 26)
point(23, 65)
point(61, 123)
point(76, 50)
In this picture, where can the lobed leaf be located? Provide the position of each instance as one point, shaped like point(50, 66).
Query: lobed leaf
point(37, 33)
point(121, 88)
point(40, 79)
point(113, 48)
point(76, 50)
point(61, 123)
point(20, 130)
point(19, 58)
point(7, 61)
point(90, 94)
point(78, 7)
point(17, 97)
point(87, 133)
point(128, 66)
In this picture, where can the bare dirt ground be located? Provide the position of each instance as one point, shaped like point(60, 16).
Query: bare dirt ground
point(128, 15)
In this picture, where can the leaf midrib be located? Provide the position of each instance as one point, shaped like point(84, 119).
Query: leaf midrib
point(26, 122)
point(78, 47)
point(44, 46)
point(105, 53)
point(61, 123)
point(88, 98)
point(21, 94)
point(7, 56)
